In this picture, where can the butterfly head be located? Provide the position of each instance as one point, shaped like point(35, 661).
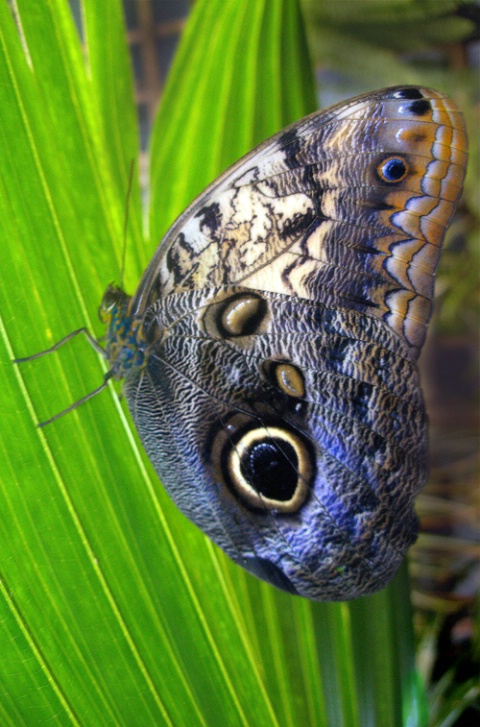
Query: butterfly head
point(124, 344)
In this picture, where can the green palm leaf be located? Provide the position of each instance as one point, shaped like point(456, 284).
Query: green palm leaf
point(114, 609)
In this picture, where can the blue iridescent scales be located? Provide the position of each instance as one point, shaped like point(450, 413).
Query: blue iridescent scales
point(278, 325)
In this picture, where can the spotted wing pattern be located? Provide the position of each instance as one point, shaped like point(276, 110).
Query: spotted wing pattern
point(279, 323)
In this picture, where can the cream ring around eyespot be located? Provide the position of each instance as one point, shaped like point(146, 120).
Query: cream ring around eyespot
point(245, 489)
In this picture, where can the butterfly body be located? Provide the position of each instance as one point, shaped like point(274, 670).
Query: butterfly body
point(269, 354)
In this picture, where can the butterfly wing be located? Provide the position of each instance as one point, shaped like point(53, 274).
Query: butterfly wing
point(282, 317)
point(348, 206)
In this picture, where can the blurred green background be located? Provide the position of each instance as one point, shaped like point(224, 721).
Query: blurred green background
point(114, 609)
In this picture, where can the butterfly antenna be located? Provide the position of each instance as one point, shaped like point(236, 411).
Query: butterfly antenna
point(125, 223)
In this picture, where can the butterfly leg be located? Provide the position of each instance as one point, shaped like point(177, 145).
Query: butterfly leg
point(79, 402)
point(92, 341)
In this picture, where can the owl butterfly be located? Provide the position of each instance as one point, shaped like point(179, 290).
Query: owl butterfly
point(269, 353)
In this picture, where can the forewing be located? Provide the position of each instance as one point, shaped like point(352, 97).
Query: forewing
point(347, 207)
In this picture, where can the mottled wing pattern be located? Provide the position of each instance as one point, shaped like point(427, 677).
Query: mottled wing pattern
point(348, 207)
point(280, 320)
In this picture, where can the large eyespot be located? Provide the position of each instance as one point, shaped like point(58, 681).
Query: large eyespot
point(285, 376)
point(392, 170)
point(269, 467)
point(241, 314)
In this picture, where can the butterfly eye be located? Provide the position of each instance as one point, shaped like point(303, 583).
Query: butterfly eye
point(113, 298)
point(269, 468)
point(392, 170)
point(285, 376)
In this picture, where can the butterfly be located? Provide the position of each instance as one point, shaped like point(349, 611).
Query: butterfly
point(269, 353)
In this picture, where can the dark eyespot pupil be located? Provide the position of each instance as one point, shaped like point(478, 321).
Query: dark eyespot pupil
point(270, 467)
point(394, 169)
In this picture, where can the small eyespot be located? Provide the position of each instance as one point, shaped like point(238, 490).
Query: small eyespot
point(241, 314)
point(286, 376)
point(269, 468)
point(417, 108)
point(392, 170)
point(408, 93)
